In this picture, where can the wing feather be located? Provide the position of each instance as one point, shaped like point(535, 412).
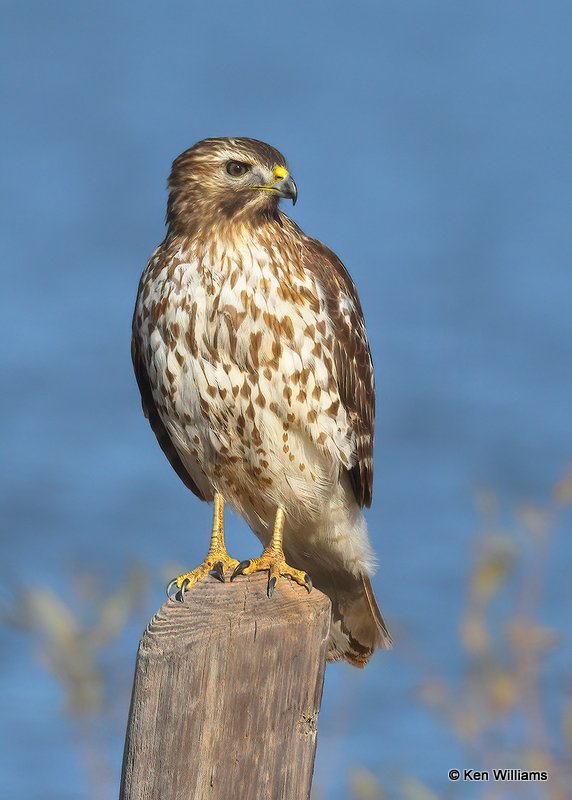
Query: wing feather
point(150, 411)
point(352, 357)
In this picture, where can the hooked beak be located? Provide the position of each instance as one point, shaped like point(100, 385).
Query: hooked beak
point(283, 185)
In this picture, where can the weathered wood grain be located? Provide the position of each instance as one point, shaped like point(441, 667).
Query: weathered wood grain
point(226, 694)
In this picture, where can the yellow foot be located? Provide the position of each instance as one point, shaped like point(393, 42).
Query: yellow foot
point(217, 559)
point(273, 561)
point(215, 564)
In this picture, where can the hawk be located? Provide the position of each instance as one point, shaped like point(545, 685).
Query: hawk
point(252, 359)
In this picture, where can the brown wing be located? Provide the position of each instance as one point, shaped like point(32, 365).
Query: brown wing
point(352, 356)
point(150, 411)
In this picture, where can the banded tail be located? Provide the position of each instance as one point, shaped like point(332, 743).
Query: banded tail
point(358, 627)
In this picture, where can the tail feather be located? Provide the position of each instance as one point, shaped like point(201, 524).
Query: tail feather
point(357, 625)
point(385, 636)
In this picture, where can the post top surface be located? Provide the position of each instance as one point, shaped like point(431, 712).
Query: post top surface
point(213, 608)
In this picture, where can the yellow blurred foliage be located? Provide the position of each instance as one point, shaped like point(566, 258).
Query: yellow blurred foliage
point(563, 491)
point(364, 785)
point(567, 724)
point(492, 570)
point(474, 633)
point(526, 635)
point(413, 789)
point(503, 693)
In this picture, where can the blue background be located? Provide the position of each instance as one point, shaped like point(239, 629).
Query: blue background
point(431, 146)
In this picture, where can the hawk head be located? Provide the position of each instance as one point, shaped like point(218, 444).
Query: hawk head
point(227, 178)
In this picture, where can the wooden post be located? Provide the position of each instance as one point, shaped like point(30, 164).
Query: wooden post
point(226, 694)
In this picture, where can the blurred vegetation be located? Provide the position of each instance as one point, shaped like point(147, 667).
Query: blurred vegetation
point(497, 707)
point(79, 644)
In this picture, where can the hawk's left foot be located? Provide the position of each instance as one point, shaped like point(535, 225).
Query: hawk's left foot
point(276, 565)
point(272, 559)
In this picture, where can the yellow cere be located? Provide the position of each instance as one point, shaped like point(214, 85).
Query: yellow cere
point(280, 173)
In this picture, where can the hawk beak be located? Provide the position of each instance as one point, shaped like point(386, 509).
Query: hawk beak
point(284, 185)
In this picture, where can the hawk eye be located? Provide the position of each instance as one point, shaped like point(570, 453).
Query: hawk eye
point(237, 168)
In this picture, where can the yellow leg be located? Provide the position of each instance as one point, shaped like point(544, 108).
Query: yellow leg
point(217, 560)
point(272, 559)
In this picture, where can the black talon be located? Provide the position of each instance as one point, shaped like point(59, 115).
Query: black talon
point(180, 596)
point(308, 582)
point(239, 570)
point(218, 571)
point(271, 586)
point(169, 587)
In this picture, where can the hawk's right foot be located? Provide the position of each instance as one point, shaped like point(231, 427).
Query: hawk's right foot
point(215, 564)
point(217, 560)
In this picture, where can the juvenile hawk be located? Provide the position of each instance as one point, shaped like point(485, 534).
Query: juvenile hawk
point(251, 355)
